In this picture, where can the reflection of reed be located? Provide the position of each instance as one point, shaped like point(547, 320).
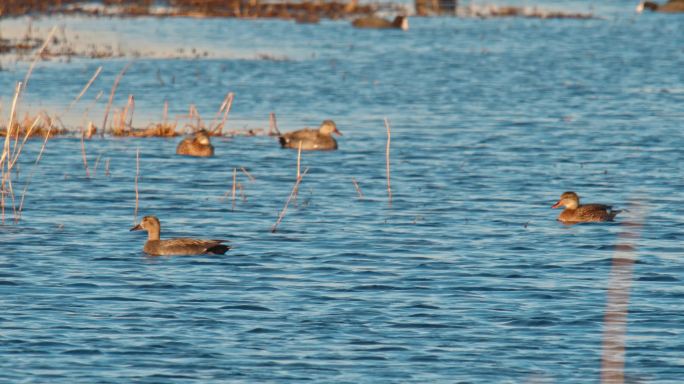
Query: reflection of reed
point(137, 175)
point(358, 189)
point(387, 161)
point(617, 301)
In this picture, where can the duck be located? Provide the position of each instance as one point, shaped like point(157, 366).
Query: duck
point(154, 246)
point(312, 139)
point(400, 22)
point(575, 212)
point(671, 6)
point(197, 145)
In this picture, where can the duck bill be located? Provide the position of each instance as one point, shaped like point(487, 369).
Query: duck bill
point(338, 132)
point(557, 205)
point(136, 228)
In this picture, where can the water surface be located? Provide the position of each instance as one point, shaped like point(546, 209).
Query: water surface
point(465, 277)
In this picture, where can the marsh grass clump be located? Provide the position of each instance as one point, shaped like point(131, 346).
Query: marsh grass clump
point(39, 125)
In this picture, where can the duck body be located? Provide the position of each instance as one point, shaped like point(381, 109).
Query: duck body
point(182, 246)
point(312, 139)
point(588, 213)
point(671, 6)
point(575, 212)
point(375, 22)
point(197, 145)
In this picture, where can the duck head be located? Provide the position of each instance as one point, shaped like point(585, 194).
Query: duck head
point(401, 22)
point(151, 225)
point(328, 127)
point(569, 200)
point(202, 137)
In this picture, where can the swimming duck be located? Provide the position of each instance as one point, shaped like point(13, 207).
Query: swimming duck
point(400, 22)
point(312, 139)
point(575, 212)
point(196, 145)
point(179, 246)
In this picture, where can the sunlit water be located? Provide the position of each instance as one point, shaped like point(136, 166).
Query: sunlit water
point(465, 277)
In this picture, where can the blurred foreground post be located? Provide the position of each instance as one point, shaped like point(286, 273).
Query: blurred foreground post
point(617, 300)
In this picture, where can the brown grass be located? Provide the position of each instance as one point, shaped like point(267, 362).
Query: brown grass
point(40, 125)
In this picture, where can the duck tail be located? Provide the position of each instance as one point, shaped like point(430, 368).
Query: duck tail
point(218, 249)
point(614, 212)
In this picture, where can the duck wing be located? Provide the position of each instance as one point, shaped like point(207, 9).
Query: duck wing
point(186, 246)
point(597, 212)
point(292, 139)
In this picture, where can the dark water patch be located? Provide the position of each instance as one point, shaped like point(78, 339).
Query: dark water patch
point(246, 307)
point(657, 277)
point(420, 325)
point(82, 352)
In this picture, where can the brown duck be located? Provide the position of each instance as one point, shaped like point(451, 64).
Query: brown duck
point(575, 212)
point(312, 139)
point(196, 145)
point(400, 22)
point(179, 246)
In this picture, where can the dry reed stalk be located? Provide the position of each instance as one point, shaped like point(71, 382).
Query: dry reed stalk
point(195, 113)
point(617, 299)
point(358, 189)
point(249, 175)
point(10, 125)
point(292, 194)
point(18, 148)
point(37, 56)
point(130, 106)
point(90, 131)
point(85, 89)
point(234, 179)
point(273, 125)
point(5, 169)
point(299, 160)
point(225, 107)
point(83, 154)
point(387, 161)
point(30, 176)
point(242, 193)
point(137, 175)
point(92, 103)
point(165, 113)
point(107, 168)
point(97, 162)
point(111, 97)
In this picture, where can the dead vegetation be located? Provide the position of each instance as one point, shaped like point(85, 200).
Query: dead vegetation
point(492, 11)
point(39, 125)
point(296, 10)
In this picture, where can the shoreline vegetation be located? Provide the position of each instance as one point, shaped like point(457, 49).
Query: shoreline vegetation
point(304, 11)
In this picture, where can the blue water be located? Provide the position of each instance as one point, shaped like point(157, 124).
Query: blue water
point(466, 277)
